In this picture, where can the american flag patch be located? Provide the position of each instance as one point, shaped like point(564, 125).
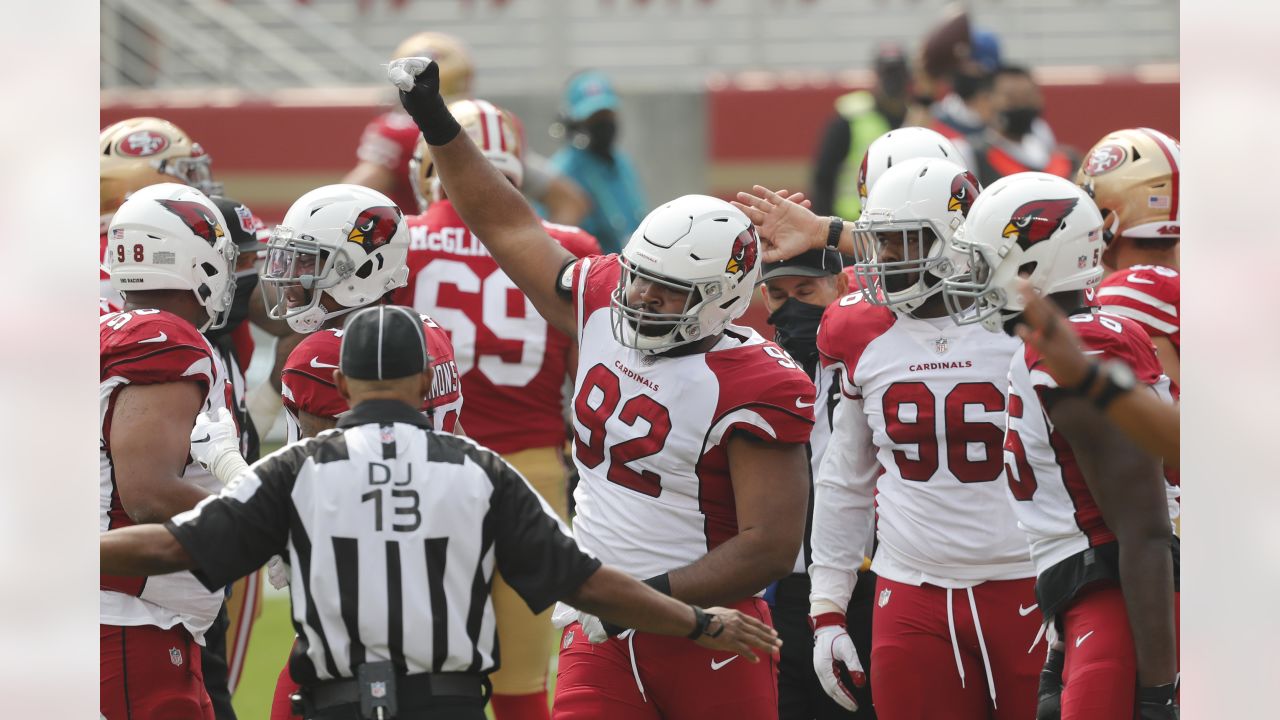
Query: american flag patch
point(1159, 202)
point(117, 233)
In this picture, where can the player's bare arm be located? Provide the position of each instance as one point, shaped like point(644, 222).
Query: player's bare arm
point(1130, 490)
point(149, 449)
point(490, 205)
point(142, 550)
point(1169, 359)
point(771, 494)
point(615, 597)
point(565, 201)
point(371, 175)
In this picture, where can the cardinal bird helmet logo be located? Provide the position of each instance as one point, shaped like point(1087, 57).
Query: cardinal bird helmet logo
point(1037, 220)
point(375, 226)
point(743, 257)
point(196, 216)
point(964, 188)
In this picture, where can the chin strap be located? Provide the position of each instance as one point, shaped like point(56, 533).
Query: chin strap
point(309, 321)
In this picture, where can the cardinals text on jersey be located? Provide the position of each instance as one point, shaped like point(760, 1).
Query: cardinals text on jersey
point(513, 364)
point(138, 348)
point(651, 431)
point(1147, 294)
point(307, 379)
point(1052, 501)
point(933, 397)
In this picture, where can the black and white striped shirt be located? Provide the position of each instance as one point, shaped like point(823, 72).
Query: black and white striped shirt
point(392, 531)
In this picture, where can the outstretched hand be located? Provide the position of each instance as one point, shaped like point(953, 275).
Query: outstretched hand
point(731, 631)
point(418, 79)
point(786, 225)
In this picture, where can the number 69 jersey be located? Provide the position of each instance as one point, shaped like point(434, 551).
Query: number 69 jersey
point(1052, 501)
point(651, 432)
point(932, 396)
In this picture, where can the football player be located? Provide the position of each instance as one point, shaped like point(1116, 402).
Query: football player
point(513, 367)
point(388, 141)
point(689, 431)
point(1091, 502)
point(918, 436)
point(1133, 177)
point(173, 263)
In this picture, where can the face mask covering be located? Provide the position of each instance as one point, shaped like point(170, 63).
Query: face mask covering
point(797, 325)
point(246, 283)
point(966, 85)
point(600, 136)
point(1017, 121)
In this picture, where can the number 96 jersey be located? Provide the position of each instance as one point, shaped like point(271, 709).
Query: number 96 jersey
point(651, 432)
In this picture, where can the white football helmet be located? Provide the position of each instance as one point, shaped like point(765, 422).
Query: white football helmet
point(1032, 225)
point(345, 241)
point(897, 146)
point(695, 244)
point(170, 237)
point(913, 211)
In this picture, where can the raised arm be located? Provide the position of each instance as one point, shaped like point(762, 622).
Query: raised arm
point(489, 204)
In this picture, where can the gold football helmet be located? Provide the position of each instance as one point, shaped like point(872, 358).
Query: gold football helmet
point(496, 131)
point(456, 68)
point(1132, 175)
point(143, 151)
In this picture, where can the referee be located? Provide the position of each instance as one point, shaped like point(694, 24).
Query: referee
point(393, 533)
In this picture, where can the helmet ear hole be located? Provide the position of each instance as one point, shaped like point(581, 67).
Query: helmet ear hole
point(1026, 269)
point(365, 270)
point(209, 269)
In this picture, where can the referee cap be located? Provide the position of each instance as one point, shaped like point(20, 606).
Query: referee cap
point(383, 343)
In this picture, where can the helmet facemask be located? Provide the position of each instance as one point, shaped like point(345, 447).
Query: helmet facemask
point(653, 332)
point(195, 170)
point(297, 271)
point(972, 296)
point(906, 283)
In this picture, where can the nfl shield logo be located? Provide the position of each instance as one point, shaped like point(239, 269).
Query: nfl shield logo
point(378, 689)
point(941, 345)
point(175, 656)
point(884, 597)
point(388, 435)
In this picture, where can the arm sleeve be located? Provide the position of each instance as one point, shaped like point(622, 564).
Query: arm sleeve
point(832, 151)
point(843, 506)
point(534, 551)
point(232, 534)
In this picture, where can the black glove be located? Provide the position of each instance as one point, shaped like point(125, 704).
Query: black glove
point(1049, 705)
point(427, 108)
point(1157, 703)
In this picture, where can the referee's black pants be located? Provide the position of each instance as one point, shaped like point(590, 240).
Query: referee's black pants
point(800, 695)
point(443, 708)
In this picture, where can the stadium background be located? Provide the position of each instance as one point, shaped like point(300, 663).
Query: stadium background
point(717, 94)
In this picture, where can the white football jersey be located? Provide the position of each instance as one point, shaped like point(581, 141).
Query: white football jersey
point(144, 347)
point(1050, 496)
point(654, 492)
point(931, 396)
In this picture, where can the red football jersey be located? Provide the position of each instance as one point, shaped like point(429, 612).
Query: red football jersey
point(144, 347)
point(1147, 294)
point(1054, 505)
point(388, 141)
point(307, 379)
point(513, 364)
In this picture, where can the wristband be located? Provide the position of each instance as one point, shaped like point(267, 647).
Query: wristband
point(827, 619)
point(834, 228)
point(661, 583)
point(432, 117)
point(700, 622)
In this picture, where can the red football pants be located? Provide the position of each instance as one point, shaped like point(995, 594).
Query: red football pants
point(151, 674)
point(1100, 672)
point(916, 673)
point(681, 680)
point(281, 705)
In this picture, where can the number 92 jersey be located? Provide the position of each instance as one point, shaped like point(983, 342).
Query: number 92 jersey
point(933, 398)
point(651, 432)
point(513, 365)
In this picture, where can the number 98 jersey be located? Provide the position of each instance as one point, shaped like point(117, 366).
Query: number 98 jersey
point(513, 365)
point(654, 492)
point(933, 397)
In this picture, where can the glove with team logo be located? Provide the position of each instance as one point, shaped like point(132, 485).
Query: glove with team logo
point(1157, 703)
point(835, 660)
point(419, 81)
point(215, 444)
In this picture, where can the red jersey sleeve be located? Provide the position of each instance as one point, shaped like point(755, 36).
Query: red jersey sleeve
point(445, 402)
point(576, 240)
point(146, 347)
point(763, 392)
point(307, 376)
point(1148, 295)
point(388, 141)
point(594, 279)
point(1104, 337)
point(847, 328)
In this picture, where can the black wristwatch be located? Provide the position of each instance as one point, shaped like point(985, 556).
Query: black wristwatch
point(834, 228)
point(1117, 379)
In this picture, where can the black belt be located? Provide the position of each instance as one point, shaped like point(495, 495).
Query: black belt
point(411, 690)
